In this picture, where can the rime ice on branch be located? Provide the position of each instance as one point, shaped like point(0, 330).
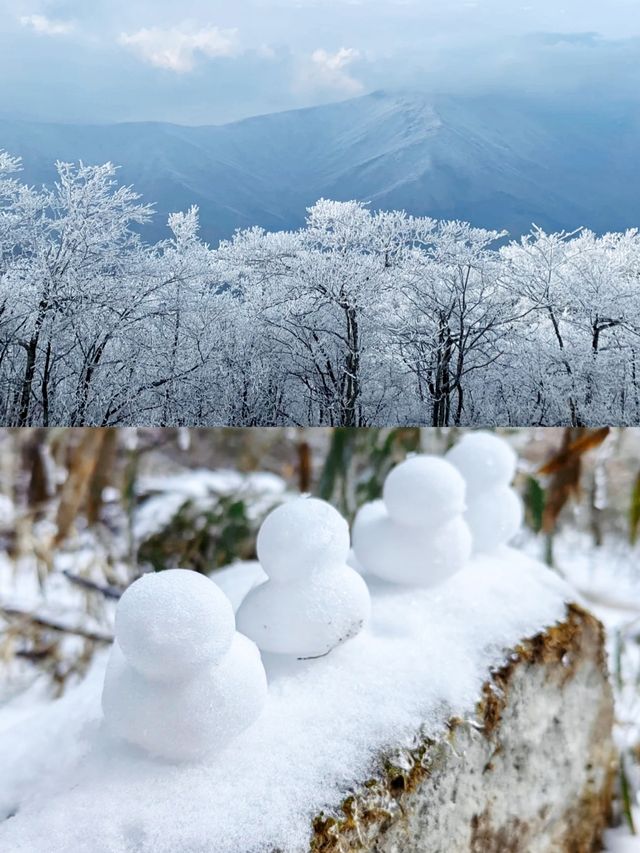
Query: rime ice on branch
point(494, 510)
point(181, 682)
point(416, 534)
point(313, 600)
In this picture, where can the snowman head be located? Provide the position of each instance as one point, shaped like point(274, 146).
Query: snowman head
point(170, 623)
point(301, 536)
point(424, 490)
point(484, 460)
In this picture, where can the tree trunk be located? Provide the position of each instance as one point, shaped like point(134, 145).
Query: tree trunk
point(30, 366)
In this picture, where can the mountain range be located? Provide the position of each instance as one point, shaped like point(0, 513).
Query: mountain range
point(498, 162)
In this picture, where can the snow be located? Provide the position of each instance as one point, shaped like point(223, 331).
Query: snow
point(7, 513)
point(494, 510)
point(606, 575)
point(309, 617)
point(484, 460)
point(424, 489)
point(414, 556)
point(416, 534)
point(169, 492)
point(313, 600)
point(325, 724)
point(180, 681)
point(170, 623)
point(301, 536)
point(237, 580)
point(51, 594)
point(187, 718)
point(494, 517)
point(620, 840)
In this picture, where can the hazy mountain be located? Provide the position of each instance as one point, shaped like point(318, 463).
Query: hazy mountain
point(494, 161)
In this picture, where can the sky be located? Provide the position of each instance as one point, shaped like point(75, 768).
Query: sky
point(213, 61)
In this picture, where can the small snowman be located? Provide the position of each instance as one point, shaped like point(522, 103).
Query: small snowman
point(416, 534)
point(494, 510)
point(312, 600)
point(180, 682)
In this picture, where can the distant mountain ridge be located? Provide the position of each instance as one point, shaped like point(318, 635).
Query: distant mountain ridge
point(497, 162)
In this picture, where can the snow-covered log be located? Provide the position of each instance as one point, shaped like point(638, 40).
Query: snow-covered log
point(531, 773)
point(439, 728)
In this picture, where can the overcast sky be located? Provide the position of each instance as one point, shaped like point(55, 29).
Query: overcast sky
point(201, 61)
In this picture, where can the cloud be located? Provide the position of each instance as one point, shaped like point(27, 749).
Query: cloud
point(329, 71)
point(178, 48)
point(47, 26)
point(296, 53)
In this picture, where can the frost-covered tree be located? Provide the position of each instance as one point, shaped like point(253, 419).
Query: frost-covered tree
point(580, 297)
point(74, 251)
point(453, 318)
point(358, 318)
point(316, 298)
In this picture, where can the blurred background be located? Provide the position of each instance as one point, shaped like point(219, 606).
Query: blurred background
point(83, 512)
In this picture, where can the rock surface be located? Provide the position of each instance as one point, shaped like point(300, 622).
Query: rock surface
point(532, 772)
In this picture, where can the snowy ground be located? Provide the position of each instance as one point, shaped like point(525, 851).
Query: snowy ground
point(621, 841)
point(72, 788)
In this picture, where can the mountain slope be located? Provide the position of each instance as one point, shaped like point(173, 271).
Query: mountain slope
point(494, 161)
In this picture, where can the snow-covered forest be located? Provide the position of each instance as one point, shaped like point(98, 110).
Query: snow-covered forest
point(360, 318)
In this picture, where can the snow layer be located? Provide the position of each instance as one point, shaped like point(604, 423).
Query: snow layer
point(169, 492)
point(620, 840)
point(423, 657)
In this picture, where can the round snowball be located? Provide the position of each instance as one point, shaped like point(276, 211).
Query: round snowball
point(190, 719)
point(352, 562)
point(484, 460)
point(368, 515)
point(301, 536)
point(168, 624)
point(419, 557)
point(494, 518)
point(308, 617)
point(424, 490)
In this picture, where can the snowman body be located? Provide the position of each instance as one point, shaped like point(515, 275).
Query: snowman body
point(494, 510)
point(312, 601)
point(416, 534)
point(180, 682)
